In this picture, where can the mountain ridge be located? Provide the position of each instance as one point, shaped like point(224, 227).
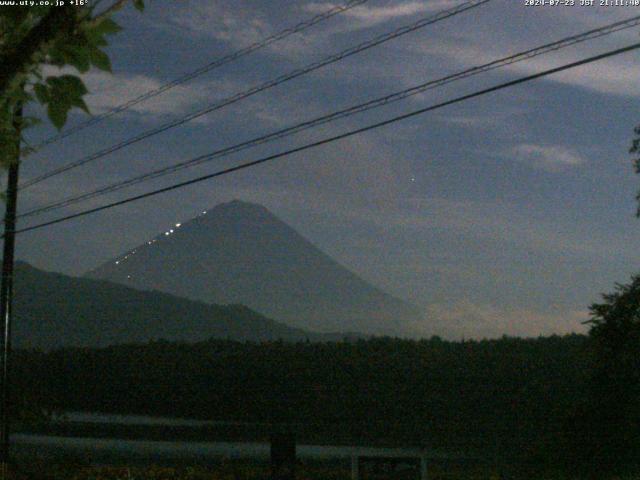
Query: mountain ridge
point(53, 310)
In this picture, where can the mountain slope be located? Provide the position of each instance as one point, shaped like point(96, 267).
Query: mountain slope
point(52, 310)
point(241, 253)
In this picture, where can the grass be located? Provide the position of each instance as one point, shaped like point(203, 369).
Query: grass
point(225, 470)
point(230, 471)
point(243, 470)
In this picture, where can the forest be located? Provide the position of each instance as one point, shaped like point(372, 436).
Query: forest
point(528, 401)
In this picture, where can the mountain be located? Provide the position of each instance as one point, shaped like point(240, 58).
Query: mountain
point(241, 253)
point(53, 310)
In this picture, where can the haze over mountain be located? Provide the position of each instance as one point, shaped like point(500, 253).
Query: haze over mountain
point(240, 253)
point(53, 310)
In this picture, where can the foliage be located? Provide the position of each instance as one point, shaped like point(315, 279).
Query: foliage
point(33, 37)
point(533, 406)
point(611, 415)
point(615, 323)
point(505, 397)
point(635, 149)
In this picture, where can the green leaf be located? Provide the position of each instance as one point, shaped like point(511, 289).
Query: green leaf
point(106, 27)
point(95, 39)
point(57, 112)
point(139, 5)
point(66, 87)
point(100, 59)
point(65, 92)
point(94, 33)
point(79, 102)
point(78, 56)
point(16, 15)
point(22, 96)
point(56, 58)
point(42, 93)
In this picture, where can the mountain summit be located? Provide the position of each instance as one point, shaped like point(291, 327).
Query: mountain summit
point(240, 253)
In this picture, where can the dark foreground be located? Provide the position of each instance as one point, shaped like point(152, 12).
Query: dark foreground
point(75, 469)
point(535, 407)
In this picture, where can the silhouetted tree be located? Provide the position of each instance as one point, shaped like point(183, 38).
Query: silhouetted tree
point(612, 417)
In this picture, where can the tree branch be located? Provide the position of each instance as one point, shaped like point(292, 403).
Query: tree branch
point(57, 22)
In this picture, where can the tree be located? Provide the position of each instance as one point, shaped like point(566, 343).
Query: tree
point(32, 37)
point(613, 414)
point(60, 33)
point(635, 150)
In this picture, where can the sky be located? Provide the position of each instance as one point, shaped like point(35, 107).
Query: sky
point(506, 214)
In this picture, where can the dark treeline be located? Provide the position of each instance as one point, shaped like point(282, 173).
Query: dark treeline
point(512, 397)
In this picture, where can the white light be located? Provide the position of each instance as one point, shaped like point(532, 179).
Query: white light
point(178, 224)
point(204, 212)
point(166, 233)
point(117, 262)
point(171, 231)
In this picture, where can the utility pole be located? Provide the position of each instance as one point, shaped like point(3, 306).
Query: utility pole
point(6, 293)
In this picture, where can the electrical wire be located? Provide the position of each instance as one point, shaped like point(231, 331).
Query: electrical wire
point(334, 138)
point(262, 87)
point(363, 107)
point(204, 69)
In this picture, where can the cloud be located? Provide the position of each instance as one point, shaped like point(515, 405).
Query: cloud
point(110, 90)
point(465, 319)
point(501, 119)
point(235, 23)
point(614, 75)
point(368, 16)
point(241, 24)
point(552, 158)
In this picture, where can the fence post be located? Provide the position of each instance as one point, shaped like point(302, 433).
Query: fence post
point(355, 474)
point(283, 456)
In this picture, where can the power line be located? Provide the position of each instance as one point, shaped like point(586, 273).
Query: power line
point(442, 15)
point(335, 138)
point(387, 99)
point(206, 68)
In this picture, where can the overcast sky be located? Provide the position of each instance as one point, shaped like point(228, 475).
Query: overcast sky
point(509, 213)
